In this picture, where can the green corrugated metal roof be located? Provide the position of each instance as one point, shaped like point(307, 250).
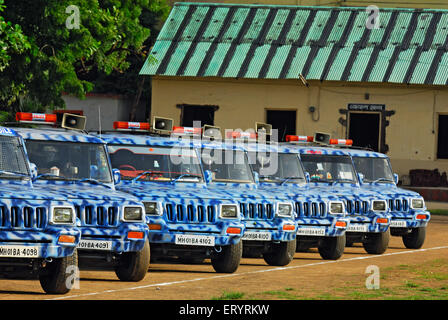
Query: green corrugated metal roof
point(321, 43)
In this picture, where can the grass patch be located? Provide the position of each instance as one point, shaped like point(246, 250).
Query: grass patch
point(439, 212)
point(229, 295)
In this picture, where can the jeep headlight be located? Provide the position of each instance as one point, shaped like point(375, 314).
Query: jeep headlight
point(417, 203)
point(379, 205)
point(336, 207)
point(133, 214)
point(63, 215)
point(284, 210)
point(153, 208)
point(229, 211)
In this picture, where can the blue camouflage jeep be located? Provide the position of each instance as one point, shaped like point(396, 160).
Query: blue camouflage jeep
point(38, 233)
point(187, 221)
point(321, 217)
point(113, 229)
point(268, 215)
point(409, 217)
point(332, 170)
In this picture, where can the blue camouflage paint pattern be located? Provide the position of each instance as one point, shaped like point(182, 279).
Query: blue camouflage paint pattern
point(89, 199)
point(303, 193)
point(394, 195)
point(177, 195)
point(25, 216)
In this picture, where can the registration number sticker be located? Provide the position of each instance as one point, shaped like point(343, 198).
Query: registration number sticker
point(398, 223)
point(311, 231)
point(95, 245)
point(193, 240)
point(260, 236)
point(19, 251)
point(357, 228)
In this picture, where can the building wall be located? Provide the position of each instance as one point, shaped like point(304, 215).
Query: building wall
point(434, 4)
point(411, 135)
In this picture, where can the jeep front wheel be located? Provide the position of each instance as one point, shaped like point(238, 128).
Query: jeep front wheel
point(133, 266)
point(281, 253)
point(55, 277)
point(415, 239)
point(228, 259)
point(377, 243)
point(332, 248)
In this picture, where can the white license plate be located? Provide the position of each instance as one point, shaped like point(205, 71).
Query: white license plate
point(19, 251)
point(193, 240)
point(260, 236)
point(398, 223)
point(95, 245)
point(311, 231)
point(357, 227)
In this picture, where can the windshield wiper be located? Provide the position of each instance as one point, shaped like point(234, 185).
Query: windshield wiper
point(18, 174)
point(342, 180)
point(185, 175)
point(381, 179)
point(290, 178)
point(47, 175)
point(141, 175)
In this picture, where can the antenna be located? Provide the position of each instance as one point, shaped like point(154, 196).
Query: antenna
point(99, 119)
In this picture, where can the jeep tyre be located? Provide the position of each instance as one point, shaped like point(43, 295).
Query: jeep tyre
point(281, 253)
point(376, 243)
point(415, 239)
point(228, 259)
point(133, 266)
point(332, 248)
point(54, 276)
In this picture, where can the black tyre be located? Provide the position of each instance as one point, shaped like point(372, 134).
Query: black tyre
point(415, 239)
point(281, 254)
point(133, 266)
point(54, 278)
point(332, 248)
point(228, 259)
point(376, 243)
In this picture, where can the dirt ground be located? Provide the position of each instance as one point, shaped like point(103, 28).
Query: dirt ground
point(254, 279)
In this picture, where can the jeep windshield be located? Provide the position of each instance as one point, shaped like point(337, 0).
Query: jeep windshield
point(227, 165)
point(329, 168)
point(70, 161)
point(13, 162)
point(287, 169)
point(158, 164)
point(374, 169)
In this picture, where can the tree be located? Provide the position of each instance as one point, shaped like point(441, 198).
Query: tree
point(62, 54)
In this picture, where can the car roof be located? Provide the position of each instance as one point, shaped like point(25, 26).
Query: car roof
point(57, 134)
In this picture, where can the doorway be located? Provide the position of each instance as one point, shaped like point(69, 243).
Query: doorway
point(364, 128)
point(282, 120)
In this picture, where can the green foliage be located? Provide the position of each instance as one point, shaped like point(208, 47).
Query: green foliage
point(55, 58)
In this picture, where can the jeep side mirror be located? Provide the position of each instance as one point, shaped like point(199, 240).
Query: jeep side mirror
point(33, 170)
point(361, 178)
point(208, 176)
point(396, 178)
point(117, 176)
point(256, 177)
point(307, 177)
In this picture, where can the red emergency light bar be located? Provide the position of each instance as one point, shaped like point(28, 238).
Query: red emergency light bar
point(346, 142)
point(187, 130)
point(131, 126)
point(292, 138)
point(240, 135)
point(28, 117)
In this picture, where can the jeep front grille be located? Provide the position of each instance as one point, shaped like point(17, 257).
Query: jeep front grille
point(257, 211)
point(357, 207)
point(311, 209)
point(190, 213)
point(97, 216)
point(23, 218)
point(398, 205)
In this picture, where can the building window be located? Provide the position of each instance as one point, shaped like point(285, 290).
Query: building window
point(282, 120)
point(191, 113)
point(442, 141)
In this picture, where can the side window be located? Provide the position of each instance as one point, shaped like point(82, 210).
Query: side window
point(442, 141)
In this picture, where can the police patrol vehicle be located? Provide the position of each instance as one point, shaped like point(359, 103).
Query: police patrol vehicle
point(76, 165)
point(268, 215)
point(321, 217)
point(332, 170)
point(409, 217)
point(186, 220)
point(38, 233)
